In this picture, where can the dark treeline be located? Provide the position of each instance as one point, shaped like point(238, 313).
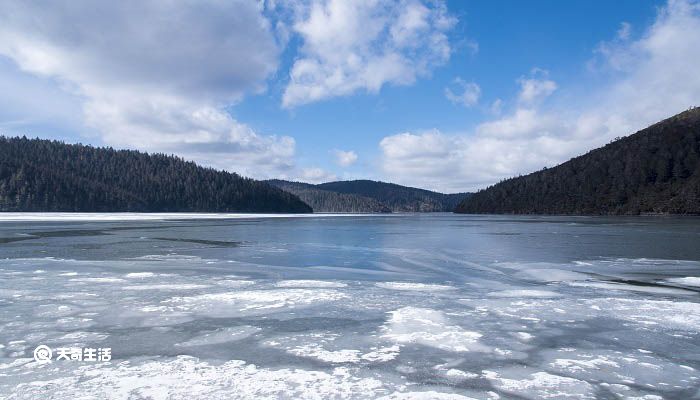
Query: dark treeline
point(396, 197)
point(44, 175)
point(656, 170)
point(326, 201)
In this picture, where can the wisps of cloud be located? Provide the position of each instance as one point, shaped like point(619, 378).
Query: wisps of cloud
point(535, 88)
point(351, 46)
point(650, 78)
point(155, 75)
point(345, 158)
point(463, 93)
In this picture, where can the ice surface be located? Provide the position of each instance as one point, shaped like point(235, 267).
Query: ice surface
point(524, 293)
point(687, 281)
point(413, 286)
point(221, 336)
point(308, 283)
point(394, 307)
point(166, 286)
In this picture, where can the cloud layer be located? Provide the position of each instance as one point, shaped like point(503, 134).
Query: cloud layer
point(154, 75)
point(650, 78)
point(351, 46)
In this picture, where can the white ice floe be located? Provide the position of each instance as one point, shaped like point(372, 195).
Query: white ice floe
point(187, 377)
point(427, 395)
point(616, 367)
point(382, 354)
point(234, 283)
point(411, 286)
point(429, 328)
point(662, 314)
point(309, 283)
point(519, 293)
point(330, 348)
point(253, 301)
point(524, 336)
point(330, 356)
point(687, 281)
point(139, 275)
point(98, 280)
point(539, 385)
point(224, 335)
point(166, 286)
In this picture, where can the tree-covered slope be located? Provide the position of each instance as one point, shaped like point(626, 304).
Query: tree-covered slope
point(396, 197)
point(44, 175)
point(656, 170)
point(326, 201)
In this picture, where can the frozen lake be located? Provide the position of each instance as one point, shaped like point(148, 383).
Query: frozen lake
point(396, 306)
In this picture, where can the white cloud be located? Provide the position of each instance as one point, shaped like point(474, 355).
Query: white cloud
point(345, 158)
point(535, 88)
point(315, 175)
point(651, 78)
point(350, 46)
point(158, 76)
point(464, 93)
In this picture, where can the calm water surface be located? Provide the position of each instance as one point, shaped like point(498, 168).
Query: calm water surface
point(400, 306)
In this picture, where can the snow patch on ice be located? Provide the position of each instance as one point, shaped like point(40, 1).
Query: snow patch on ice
point(429, 328)
point(98, 280)
point(253, 301)
point(330, 356)
point(234, 283)
point(616, 367)
point(664, 314)
point(166, 286)
point(540, 385)
point(524, 293)
point(427, 395)
point(420, 287)
point(309, 284)
point(187, 377)
point(140, 275)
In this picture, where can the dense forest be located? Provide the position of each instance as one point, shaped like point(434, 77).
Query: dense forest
point(326, 201)
point(44, 175)
point(656, 170)
point(396, 197)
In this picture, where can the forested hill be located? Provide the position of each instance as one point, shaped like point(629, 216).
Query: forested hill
point(326, 201)
point(44, 175)
point(656, 170)
point(396, 197)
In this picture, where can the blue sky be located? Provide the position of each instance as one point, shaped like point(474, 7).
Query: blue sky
point(450, 96)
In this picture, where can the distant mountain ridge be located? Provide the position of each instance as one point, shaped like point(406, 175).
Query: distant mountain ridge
point(43, 175)
point(367, 196)
point(656, 170)
point(328, 201)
